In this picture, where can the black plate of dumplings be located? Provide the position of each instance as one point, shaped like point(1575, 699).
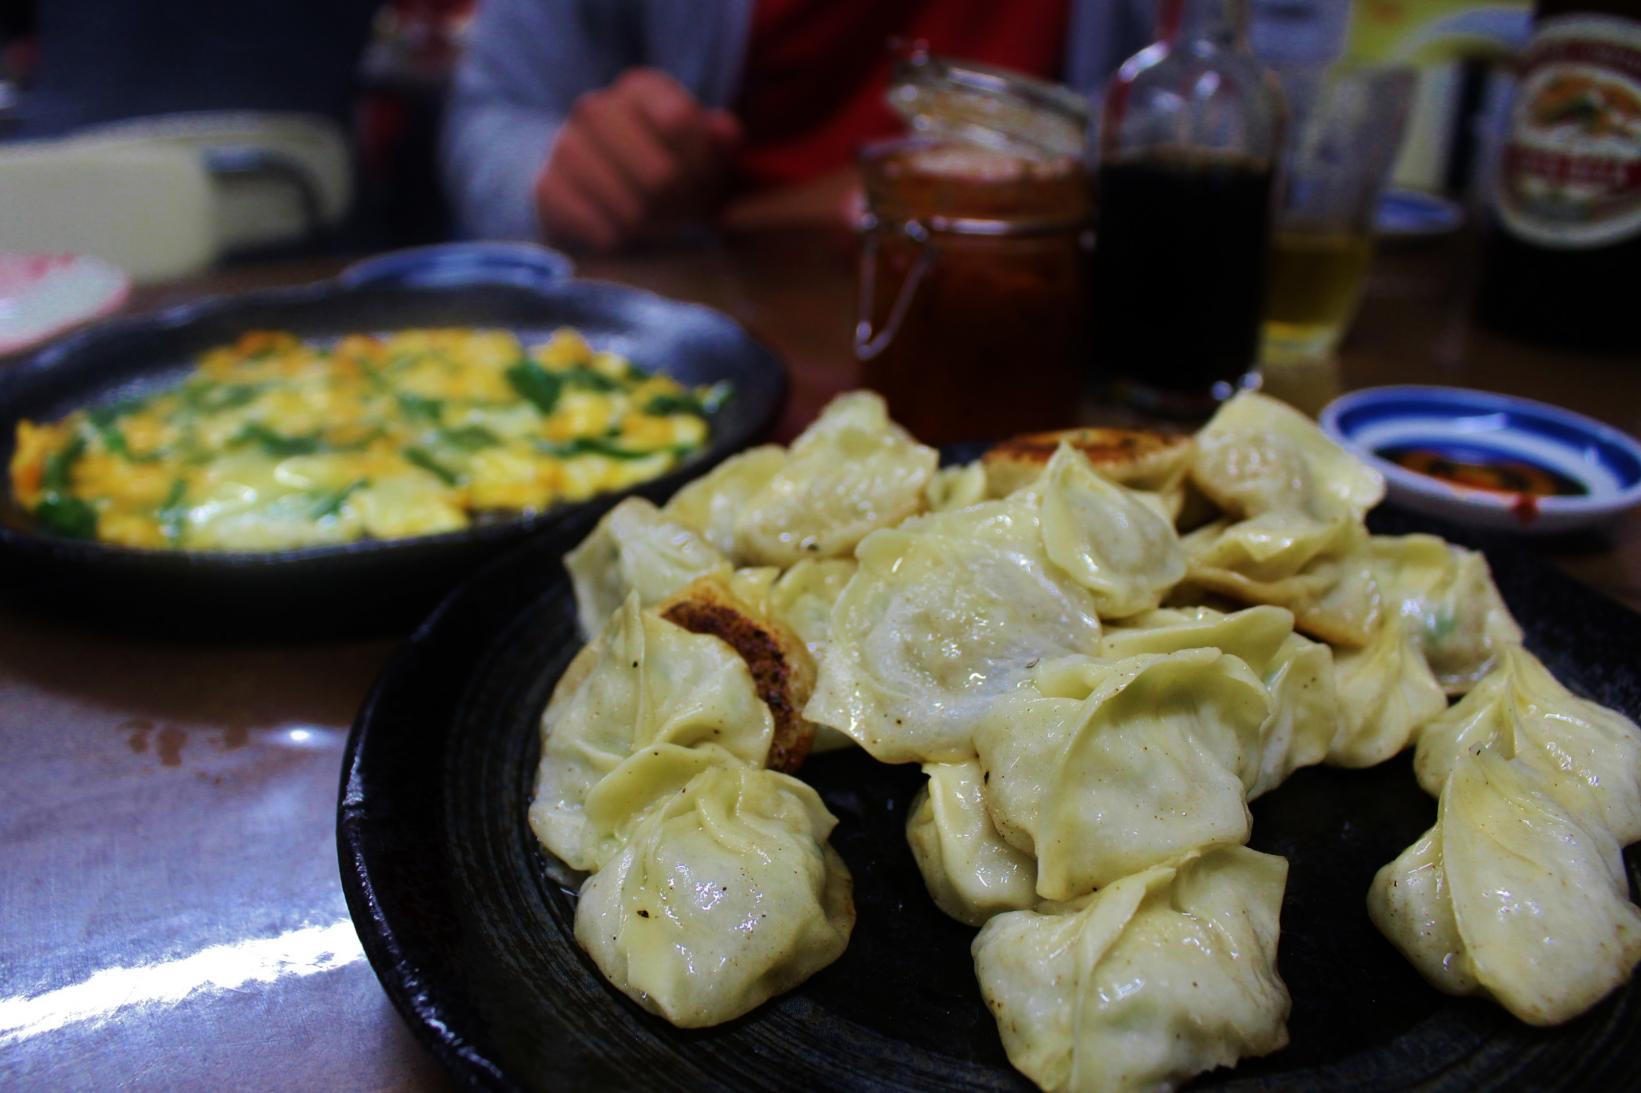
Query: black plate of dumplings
point(472, 939)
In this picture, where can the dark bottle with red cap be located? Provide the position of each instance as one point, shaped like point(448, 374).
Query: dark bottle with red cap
point(1562, 263)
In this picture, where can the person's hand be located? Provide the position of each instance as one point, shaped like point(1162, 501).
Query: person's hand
point(633, 157)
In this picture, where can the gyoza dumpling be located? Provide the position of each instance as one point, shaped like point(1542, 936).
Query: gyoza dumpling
point(1447, 596)
point(635, 548)
point(642, 682)
point(955, 487)
point(1161, 975)
point(1102, 769)
point(1260, 455)
point(1110, 539)
point(1321, 571)
point(970, 871)
point(1293, 536)
point(851, 472)
point(1386, 694)
point(1588, 756)
point(754, 585)
point(1141, 459)
point(945, 613)
point(805, 595)
point(1297, 672)
point(781, 667)
point(1511, 895)
point(723, 895)
point(803, 598)
point(713, 503)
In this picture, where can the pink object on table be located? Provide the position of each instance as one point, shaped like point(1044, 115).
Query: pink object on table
point(42, 295)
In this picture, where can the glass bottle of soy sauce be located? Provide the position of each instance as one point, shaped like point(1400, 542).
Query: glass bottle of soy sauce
point(1190, 137)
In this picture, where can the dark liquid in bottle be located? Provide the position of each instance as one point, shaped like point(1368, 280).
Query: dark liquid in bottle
point(1179, 278)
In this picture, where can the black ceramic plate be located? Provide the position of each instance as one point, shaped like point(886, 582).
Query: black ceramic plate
point(320, 587)
point(472, 939)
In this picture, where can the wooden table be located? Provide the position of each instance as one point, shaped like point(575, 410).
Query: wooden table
point(168, 889)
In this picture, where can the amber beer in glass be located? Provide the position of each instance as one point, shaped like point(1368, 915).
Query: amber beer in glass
point(1342, 141)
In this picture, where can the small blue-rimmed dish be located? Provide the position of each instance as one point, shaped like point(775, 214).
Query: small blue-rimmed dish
point(1490, 460)
point(1411, 214)
point(460, 265)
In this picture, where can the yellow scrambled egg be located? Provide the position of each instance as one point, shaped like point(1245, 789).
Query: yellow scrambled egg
point(274, 443)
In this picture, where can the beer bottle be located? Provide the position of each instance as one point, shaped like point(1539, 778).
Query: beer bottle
point(1562, 264)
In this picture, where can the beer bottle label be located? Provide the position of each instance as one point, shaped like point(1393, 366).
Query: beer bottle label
point(1570, 176)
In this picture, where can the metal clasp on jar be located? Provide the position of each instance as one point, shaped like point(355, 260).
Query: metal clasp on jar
point(869, 343)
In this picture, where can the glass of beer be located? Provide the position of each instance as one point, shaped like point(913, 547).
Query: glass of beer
point(1343, 137)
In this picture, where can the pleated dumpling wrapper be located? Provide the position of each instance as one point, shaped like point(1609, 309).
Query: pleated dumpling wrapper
point(1297, 671)
point(971, 871)
point(1100, 769)
point(643, 682)
point(723, 895)
point(712, 504)
point(635, 548)
point(1386, 694)
point(1259, 454)
point(1115, 542)
point(1294, 502)
point(851, 472)
point(1332, 593)
point(1155, 978)
point(1155, 463)
point(949, 611)
point(804, 596)
point(956, 487)
point(1447, 597)
point(1588, 756)
point(1511, 895)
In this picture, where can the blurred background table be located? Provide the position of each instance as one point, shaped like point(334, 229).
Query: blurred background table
point(168, 873)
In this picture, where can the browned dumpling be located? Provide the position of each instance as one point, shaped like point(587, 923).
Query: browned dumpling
point(1141, 459)
point(781, 667)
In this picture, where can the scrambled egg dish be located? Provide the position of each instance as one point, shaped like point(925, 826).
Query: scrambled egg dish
point(274, 442)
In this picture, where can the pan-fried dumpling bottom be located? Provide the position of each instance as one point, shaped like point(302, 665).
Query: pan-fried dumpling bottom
point(945, 613)
point(1447, 596)
point(955, 487)
point(1297, 672)
point(1147, 461)
point(642, 682)
point(635, 548)
point(1259, 455)
point(782, 669)
point(851, 472)
point(1318, 570)
point(1162, 975)
point(971, 872)
point(713, 503)
point(1589, 756)
point(1100, 769)
point(724, 895)
point(1110, 539)
point(1386, 694)
point(1511, 895)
